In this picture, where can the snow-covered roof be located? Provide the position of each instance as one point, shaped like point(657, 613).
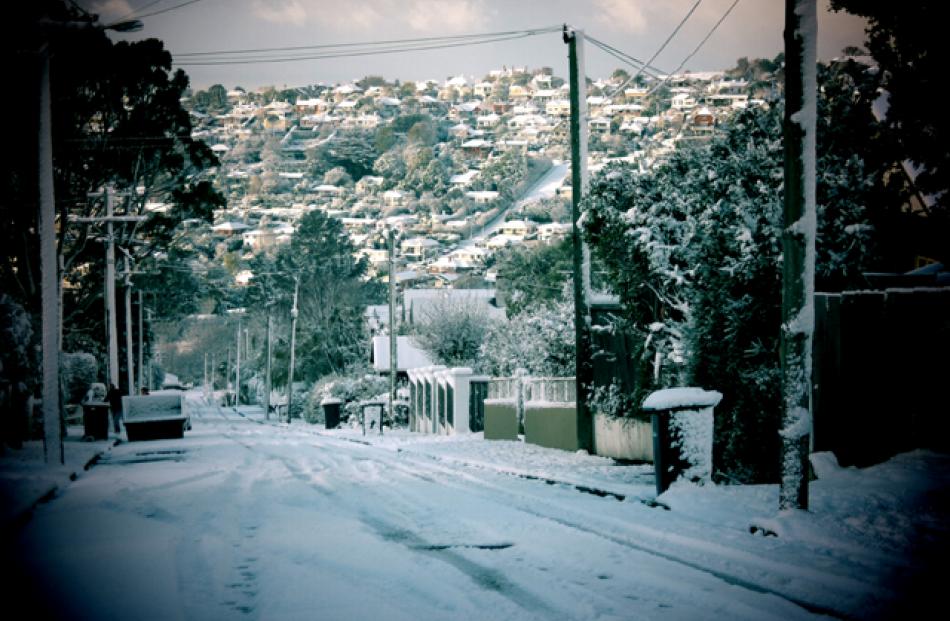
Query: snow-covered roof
point(408, 354)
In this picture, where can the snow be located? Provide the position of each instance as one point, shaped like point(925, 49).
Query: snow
point(685, 397)
point(245, 517)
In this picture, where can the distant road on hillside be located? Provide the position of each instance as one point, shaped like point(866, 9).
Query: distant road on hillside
point(543, 188)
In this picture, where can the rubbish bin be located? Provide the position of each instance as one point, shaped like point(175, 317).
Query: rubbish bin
point(682, 434)
point(95, 420)
point(331, 412)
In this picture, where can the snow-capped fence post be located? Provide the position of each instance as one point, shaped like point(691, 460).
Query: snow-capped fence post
point(414, 410)
point(682, 434)
point(430, 396)
point(521, 378)
point(798, 249)
point(440, 401)
point(458, 387)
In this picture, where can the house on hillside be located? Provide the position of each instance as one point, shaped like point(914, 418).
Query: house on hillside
point(477, 148)
point(419, 248)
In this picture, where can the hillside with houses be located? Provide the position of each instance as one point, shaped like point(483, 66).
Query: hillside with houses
point(436, 161)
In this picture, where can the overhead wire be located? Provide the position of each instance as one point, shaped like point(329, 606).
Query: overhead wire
point(661, 48)
point(698, 47)
point(238, 57)
point(624, 57)
point(371, 43)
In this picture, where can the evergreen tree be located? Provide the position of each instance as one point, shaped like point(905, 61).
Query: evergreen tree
point(332, 297)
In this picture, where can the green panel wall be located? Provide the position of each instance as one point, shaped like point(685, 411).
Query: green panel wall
point(501, 421)
point(553, 427)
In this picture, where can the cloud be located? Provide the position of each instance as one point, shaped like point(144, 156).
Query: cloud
point(446, 15)
point(110, 8)
point(621, 15)
point(290, 12)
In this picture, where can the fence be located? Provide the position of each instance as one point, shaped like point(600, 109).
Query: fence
point(880, 362)
point(446, 401)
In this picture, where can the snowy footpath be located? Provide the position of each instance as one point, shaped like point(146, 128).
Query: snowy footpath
point(250, 518)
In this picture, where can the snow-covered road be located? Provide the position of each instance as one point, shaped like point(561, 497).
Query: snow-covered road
point(250, 519)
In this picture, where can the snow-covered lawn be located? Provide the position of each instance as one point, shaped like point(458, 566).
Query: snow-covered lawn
point(247, 517)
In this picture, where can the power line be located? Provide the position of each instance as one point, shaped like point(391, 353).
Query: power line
point(624, 57)
point(369, 49)
point(662, 47)
point(372, 43)
point(701, 43)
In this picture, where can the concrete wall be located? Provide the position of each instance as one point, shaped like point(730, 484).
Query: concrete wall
point(553, 425)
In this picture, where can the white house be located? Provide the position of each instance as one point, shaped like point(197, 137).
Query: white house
point(482, 197)
point(419, 247)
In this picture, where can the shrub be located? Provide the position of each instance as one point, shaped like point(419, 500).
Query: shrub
point(79, 370)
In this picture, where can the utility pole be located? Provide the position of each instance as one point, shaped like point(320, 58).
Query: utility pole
point(393, 353)
point(130, 368)
point(49, 274)
point(293, 344)
point(148, 371)
point(237, 365)
point(798, 250)
point(50, 285)
point(583, 372)
point(141, 376)
point(109, 295)
point(267, 369)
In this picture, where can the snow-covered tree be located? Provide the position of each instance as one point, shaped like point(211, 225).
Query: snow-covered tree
point(693, 248)
point(452, 332)
point(540, 339)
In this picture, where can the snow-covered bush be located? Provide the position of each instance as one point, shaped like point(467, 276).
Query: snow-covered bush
point(540, 339)
point(351, 388)
point(452, 333)
point(78, 372)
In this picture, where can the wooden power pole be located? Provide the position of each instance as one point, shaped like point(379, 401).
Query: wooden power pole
point(583, 372)
point(798, 249)
point(293, 345)
point(393, 353)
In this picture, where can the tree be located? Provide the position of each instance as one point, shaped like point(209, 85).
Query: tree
point(539, 339)
point(530, 277)
point(452, 333)
point(693, 250)
point(117, 119)
point(332, 296)
point(916, 130)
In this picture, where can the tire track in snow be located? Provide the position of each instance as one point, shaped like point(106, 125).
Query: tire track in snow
point(582, 522)
point(569, 519)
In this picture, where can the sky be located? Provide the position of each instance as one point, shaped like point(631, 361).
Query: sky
point(251, 518)
point(638, 28)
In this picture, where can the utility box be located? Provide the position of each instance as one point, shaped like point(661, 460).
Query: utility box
point(682, 434)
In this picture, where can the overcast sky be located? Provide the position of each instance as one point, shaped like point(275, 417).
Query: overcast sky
point(636, 27)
